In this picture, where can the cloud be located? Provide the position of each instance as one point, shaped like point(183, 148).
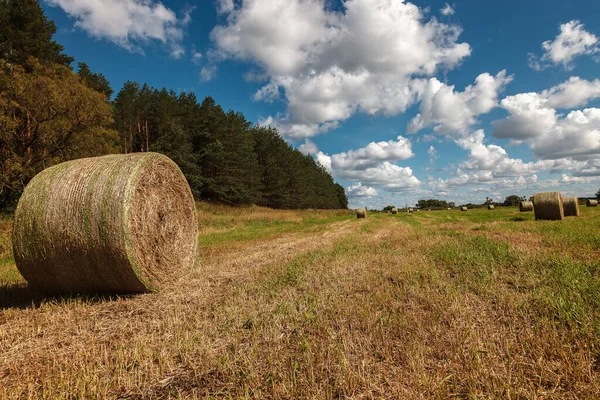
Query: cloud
point(572, 41)
point(359, 190)
point(371, 165)
point(453, 112)
point(208, 72)
point(447, 10)
point(433, 154)
point(131, 24)
point(495, 159)
point(575, 92)
point(374, 153)
point(324, 160)
point(308, 147)
point(324, 61)
point(385, 175)
point(534, 118)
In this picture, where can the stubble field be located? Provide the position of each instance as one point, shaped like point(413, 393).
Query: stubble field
point(317, 304)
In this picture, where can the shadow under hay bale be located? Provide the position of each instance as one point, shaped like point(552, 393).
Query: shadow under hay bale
point(571, 206)
point(526, 206)
point(490, 207)
point(117, 223)
point(548, 206)
point(361, 213)
point(591, 203)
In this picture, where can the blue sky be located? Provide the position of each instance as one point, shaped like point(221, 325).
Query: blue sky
point(400, 101)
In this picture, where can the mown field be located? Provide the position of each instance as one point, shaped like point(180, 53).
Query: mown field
point(316, 304)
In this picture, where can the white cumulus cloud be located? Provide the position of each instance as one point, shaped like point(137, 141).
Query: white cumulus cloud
point(359, 190)
point(372, 154)
point(572, 41)
point(453, 112)
point(130, 24)
point(325, 62)
point(534, 118)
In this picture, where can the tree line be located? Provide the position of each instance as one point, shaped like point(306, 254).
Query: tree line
point(50, 114)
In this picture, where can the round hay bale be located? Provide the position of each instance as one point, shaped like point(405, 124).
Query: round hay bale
point(394, 210)
point(591, 203)
point(361, 213)
point(449, 208)
point(526, 206)
point(491, 207)
point(117, 223)
point(463, 208)
point(571, 206)
point(548, 205)
point(410, 210)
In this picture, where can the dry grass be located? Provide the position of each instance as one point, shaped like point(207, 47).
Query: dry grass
point(389, 307)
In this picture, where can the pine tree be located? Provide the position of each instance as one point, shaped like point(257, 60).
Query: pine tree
point(26, 32)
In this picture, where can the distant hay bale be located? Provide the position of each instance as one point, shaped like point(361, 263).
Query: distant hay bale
point(491, 207)
point(417, 210)
point(429, 209)
point(463, 208)
point(361, 213)
point(117, 223)
point(526, 206)
point(410, 210)
point(592, 203)
point(571, 206)
point(394, 210)
point(548, 205)
point(449, 208)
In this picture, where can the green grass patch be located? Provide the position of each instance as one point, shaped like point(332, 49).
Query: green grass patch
point(262, 229)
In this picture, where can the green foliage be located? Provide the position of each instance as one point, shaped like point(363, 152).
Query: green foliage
point(224, 157)
point(95, 81)
point(47, 116)
point(513, 200)
point(434, 203)
point(26, 32)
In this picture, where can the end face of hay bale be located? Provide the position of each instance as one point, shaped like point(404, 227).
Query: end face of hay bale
point(571, 206)
point(591, 203)
point(548, 206)
point(526, 206)
point(117, 223)
point(463, 208)
point(490, 207)
point(361, 213)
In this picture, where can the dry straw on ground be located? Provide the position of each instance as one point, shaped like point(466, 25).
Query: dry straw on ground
point(361, 213)
point(592, 203)
point(463, 208)
point(525, 206)
point(571, 206)
point(117, 223)
point(548, 205)
point(490, 207)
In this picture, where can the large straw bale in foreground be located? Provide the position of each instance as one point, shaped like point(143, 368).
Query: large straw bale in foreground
point(361, 213)
point(117, 223)
point(526, 206)
point(548, 205)
point(571, 206)
point(592, 203)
